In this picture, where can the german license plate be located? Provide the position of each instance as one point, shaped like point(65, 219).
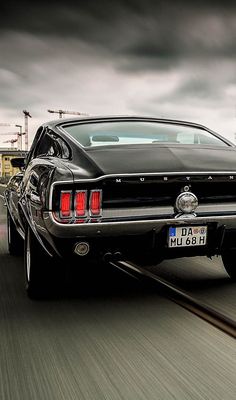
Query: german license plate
point(187, 236)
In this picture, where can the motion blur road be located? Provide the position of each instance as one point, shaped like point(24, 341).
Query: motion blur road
point(205, 279)
point(112, 337)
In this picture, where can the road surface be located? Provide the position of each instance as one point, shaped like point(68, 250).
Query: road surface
point(112, 338)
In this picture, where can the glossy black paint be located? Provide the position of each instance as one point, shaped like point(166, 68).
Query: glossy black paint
point(142, 176)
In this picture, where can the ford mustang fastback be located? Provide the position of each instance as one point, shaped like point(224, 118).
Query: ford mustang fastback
point(135, 188)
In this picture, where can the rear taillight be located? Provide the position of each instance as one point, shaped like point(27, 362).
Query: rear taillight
point(74, 206)
point(80, 203)
point(65, 204)
point(95, 202)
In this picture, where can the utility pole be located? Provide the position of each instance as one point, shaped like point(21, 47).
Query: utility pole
point(19, 136)
point(62, 112)
point(27, 115)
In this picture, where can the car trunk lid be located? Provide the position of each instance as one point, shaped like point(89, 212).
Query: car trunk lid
point(162, 158)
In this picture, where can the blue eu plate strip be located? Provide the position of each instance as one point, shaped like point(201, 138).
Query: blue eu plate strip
point(172, 232)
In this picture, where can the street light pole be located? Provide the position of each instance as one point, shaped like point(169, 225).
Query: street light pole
point(27, 115)
point(19, 137)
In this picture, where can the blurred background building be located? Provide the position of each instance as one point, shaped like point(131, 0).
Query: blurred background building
point(6, 169)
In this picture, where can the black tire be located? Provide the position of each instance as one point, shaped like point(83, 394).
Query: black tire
point(229, 261)
point(15, 241)
point(38, 267)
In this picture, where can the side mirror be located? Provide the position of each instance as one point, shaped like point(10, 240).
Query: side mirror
point(18, 162)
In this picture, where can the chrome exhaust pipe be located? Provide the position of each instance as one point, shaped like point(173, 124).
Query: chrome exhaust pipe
point(107, 256)
point(117, 256)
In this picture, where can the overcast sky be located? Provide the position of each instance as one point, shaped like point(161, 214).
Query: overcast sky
point(172, 59)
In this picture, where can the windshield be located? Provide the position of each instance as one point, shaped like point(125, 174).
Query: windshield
point(138, 132)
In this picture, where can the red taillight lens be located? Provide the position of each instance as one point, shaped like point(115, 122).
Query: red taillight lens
point(95, 202)
point(80, 203)
point(65, 205)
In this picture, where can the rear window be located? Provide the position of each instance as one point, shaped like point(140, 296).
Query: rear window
point(135, 132)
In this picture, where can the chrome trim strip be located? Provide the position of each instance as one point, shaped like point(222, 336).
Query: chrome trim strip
point(137, 212)
point(158, 211)
point(164, 174)
point(101, 229)
point(161, 221)
point(140, 174)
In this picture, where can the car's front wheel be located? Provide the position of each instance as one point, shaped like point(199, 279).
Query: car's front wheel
point(15, 242)
point(38, 267)
point(229, 261)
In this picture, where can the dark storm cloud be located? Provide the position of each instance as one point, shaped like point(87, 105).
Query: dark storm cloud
point(167, 58)
point(198, 88)
point(158, 31)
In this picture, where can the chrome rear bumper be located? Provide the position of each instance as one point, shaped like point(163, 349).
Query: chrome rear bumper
point(131, 227)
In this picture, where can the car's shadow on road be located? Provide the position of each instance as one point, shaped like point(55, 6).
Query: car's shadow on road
point(193, 274)
point(104, 280)
point(100, 281)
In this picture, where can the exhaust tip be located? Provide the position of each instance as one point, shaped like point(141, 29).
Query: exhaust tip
point(118, 256)
point(107, 257)
point(82, 248)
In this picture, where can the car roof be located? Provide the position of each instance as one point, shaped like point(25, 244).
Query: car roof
point(112, 118)
point(57, 124)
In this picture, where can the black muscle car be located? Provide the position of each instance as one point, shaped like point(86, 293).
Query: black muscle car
point(142, 189)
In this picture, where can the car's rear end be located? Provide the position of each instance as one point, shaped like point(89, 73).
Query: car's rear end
point(128, 188)
point(144, 171)
point(138, 216)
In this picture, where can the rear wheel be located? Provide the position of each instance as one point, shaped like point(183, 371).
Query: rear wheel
point(15, 242)
point(229, 261)
point(39, 268)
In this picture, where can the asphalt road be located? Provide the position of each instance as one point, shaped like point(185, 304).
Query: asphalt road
point(205, 279)
point(113, 338)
